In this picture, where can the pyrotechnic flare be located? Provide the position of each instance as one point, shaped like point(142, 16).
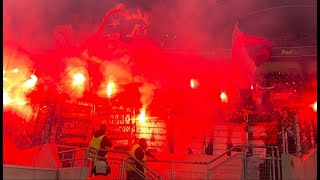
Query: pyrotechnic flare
point(6, 98)
point(78, 79)
point(142, 116)
point(17, 82)
point(314, 106)
point(194, 83)
point(224, 97)
point(16, 70)
point(31, 82)
point(110, 89)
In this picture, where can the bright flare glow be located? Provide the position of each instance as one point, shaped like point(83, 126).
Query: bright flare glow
point(4, 78)
point(22, 103)
point(143, 126)
point(251, 87)
point(16, 70)
point(223, 97)
point(142, 116)
point(6, 98)
point(314, 106)
point(17, 83)
point(78, 79)
point(30, 83)
point(110, 88)
point(194, 83)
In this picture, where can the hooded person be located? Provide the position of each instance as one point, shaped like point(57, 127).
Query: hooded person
point(99, 141)
point(139, 152)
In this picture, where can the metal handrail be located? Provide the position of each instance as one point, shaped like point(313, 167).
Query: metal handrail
point(223, 162)
point(140, 173)
point(72, 150)
point(239, 146)
point(128, 154)
point(207, 163)
point(173, 161)
point(221, 155)
point(111, 151)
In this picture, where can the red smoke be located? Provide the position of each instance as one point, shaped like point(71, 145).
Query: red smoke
point(105, 66)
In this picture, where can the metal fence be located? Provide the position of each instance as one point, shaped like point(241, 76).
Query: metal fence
point(244, 163)
point(231, 168)
point(220, 137)
point(298, 136)
point(117, 161)
point(263, 163)
point(179, 169)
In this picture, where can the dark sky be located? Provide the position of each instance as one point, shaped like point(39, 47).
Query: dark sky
point(195, 23)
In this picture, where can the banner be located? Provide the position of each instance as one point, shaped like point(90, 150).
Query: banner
point(119, 26)
point(248, 52)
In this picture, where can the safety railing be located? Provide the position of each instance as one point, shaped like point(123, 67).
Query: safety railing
point(231, 168)
point(173, 169)
point(122, 161)
point(263, 163)
point(117, 160)
point(72, 158)
point(225, 161)
point(237, 166)
point(246, 162)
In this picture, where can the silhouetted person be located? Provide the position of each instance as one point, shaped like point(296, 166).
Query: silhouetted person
point(138, 151)
point(209, 148)
point(99, 141)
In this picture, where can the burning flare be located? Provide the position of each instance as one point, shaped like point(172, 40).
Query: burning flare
point(16, 86)
point(17, 81)
point(13, 92)
point(6, 98)
point(78, 79)
point(194, 83)
point(111, 89)
point(314, 106)
point(31, 82)
point(16, 70)
point(223, 97)
point(142, 117)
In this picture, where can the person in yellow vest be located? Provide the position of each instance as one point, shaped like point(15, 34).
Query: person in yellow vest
point(99, 141)
point(138, 151)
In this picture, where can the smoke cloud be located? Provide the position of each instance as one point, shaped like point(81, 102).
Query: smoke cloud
point(31, 23)
point(17, 81)
point(194, 23)
point(188, 24)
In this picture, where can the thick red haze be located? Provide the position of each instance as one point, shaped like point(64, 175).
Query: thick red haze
point(163, 79)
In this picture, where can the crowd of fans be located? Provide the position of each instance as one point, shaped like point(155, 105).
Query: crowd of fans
point(284, 81)
point(287, 81)
point(299, 142)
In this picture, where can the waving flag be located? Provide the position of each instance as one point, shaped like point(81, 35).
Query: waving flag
point(121, 22)
point(118, 27)
point(248, 52)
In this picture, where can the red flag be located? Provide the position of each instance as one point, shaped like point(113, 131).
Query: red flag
point(259, 49)
point(118, 27)
point(248, 52)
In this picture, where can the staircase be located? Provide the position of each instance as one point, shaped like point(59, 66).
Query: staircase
point(236, 166)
